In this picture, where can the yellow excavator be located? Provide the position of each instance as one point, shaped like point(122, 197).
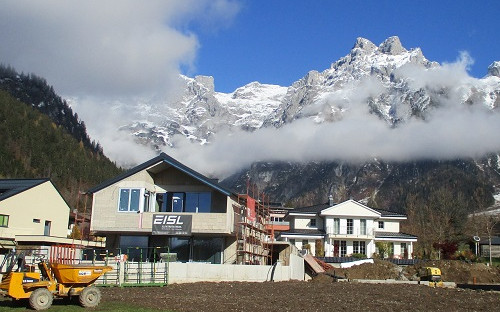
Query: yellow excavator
point(432, 275)
point(51, 280)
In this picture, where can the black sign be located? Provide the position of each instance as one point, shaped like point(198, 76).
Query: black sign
point(172, 224)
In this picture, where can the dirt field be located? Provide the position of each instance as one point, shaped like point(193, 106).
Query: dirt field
point(452, 271)
point(317, 295)
point(323, 294)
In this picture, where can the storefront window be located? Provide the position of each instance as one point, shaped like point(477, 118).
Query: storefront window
point(208, 250)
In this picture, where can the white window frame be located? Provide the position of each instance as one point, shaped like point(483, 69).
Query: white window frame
point(141, 199)
point(362, 226)
point(350, 228)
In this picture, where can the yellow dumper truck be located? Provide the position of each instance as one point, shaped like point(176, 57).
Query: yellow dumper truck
point(49, 281)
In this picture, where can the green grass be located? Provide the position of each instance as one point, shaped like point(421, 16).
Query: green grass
point(64, 305)
point(494, 261)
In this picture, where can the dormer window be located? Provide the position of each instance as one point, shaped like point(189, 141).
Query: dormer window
point(312, 223)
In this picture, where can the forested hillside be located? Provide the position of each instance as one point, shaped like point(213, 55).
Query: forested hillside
point(35, 91)
point(33, 146)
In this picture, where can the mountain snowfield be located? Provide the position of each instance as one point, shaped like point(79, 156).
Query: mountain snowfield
point(395, 84)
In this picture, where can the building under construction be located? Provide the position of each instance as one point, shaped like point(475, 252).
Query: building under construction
point(255, 229)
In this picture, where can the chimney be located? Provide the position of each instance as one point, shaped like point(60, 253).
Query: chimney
point(330, 200)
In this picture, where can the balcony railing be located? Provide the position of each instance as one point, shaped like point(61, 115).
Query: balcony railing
point(285, 223)
point(349, 231)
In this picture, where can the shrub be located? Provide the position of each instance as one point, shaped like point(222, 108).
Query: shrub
point(358, 256)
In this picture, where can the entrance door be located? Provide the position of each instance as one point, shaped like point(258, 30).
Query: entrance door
point(336, 245)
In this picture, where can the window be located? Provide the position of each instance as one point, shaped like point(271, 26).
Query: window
point(362, 226)
point(208, 249)
point(46, 230)
point(381, 224)
point(359, 247)
point(196, 202)
point(129, 199)
point(276, 219)
point(362, 248)
point(350, 226)
point(4, 220)
point(36, 220)
point(336, 226)
point(343, 248)
point(135, 247)
point(355, 247)
point(312, 223)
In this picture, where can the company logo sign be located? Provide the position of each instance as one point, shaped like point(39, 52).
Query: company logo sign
point(172, 224)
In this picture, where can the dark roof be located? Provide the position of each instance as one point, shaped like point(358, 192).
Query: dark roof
point(310, 209)
point(495, 240)
point(168, 160)
point(387, 213)
point(299, 232)
point(394, 235)
point(11, 187)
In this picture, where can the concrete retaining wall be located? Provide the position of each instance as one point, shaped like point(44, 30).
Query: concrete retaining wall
point(204, 272)
point(190, 272)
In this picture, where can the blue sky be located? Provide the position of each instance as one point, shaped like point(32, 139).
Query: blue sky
point(108, 57)
point(278, 42)
point(125, 48)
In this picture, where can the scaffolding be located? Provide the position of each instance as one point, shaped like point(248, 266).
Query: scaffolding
point(253, 239)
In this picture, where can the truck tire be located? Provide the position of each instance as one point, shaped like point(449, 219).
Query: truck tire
point(90, 297)
point(41, 299)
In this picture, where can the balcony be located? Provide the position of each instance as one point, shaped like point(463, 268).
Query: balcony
point(278, 225)
point(349, 232)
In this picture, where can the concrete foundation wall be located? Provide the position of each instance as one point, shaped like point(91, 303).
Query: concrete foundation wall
point(203, 272)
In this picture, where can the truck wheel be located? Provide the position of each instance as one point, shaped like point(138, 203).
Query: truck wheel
point(41, 299)
point(90, 297)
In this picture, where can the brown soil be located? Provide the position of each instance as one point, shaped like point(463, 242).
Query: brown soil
point(303, 296)
point(452, 271)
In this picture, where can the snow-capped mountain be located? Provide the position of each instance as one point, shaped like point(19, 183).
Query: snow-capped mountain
point(395, 83)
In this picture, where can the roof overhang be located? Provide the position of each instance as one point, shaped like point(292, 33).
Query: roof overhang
point(303, 214)
point(53, 240)
point(156, 165)
point(303, 236)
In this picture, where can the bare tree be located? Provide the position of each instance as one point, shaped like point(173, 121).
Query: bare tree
point(485, 224)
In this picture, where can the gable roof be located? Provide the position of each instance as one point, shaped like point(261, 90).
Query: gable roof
point(350, 201)
point(164, 158)
point(319, 209)
point(11, 187)
point(311, 210)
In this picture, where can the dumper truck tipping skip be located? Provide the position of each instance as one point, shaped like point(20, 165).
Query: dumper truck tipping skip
point(53, 280)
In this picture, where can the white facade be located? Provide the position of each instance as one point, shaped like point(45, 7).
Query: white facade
point(349, 228)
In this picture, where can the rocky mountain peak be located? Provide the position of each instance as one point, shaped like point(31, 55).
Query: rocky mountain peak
point(494, 69)
point(392, 46)
point(364, 44)
point(206, 81)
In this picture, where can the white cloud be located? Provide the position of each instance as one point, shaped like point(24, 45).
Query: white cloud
point(113, 47)
point(98, 53)
point(449, 131)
